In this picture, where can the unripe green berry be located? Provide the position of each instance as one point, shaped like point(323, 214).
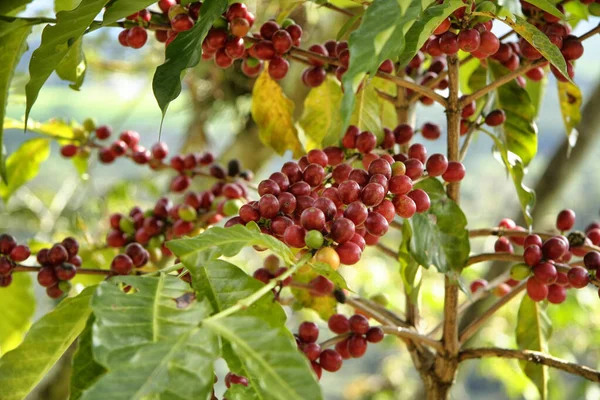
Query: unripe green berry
point(287, 22)
point(380, 299)
point(231, 207)
point(156, 241)
point(89, 124)
point(252, 62)
point(126, 225)
point(65, 286)
point(187, 213)
point(176, 10)
point(398, 168)
point(314, 239)
point(594, 9)
point(520, 271)
point(220, 23)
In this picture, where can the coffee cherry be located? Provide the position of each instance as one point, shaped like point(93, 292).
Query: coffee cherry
point(545, 273)
point(532, 255)
point(349, 253)
point(137, 37)
point(264, 50)
point(405, 206)
point(5, 281)
point(376, 224)
point(313, 175)
point(321, 286)
point(6, 267)
point(430, 131)
point(356, 212)
point(468, 40)
point(58, 254)
point(342, 230)
point(294, 236)
point(489, 43)
point(455, 172)
point(501, 290)
point(518, 272)
point(449, 43)
point(591, 260)
point(20, 253)
point(181, 22)
point(69, 150)
point(308, 332)
point(357, 346)
point(103, 132)
point(268, 206)
point(54, 292)
point(478, 284)
point(572, 49)
point(328, 256)
point(578, 277)
point(239, 27)
point(375, 334)
point(47, 277)
point(421, 199)
point(330, 360)
point(554, 248)
point(282, 41)
point(278, 68)
point(338, 324)
point(268, 29)
point(495, 118)
point(502, 245)
point(443, 27)
point(414, 168)
point(314, 239)
point(7, 243)
point(121, 264)
point(403, 133)
point(312, 351)
point(556, 294)
point(436, 165)
point(535, 290)
point(366, 142)
point(65, 272)
point(359, 324)
point(565, 220)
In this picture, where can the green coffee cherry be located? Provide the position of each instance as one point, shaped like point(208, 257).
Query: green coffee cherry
point(252, 62)
point(398, 168)
point(314, 239)
point(155, 242)
point(287, 22)
point(231, 207)
point(187, 213)
point(380, 299)
point(89, 124)
point(127, 226)
point(220, 23)
point(594, 9)
point(518, 272)
point(65, 286)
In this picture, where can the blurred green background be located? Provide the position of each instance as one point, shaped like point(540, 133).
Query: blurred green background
point(213, 113)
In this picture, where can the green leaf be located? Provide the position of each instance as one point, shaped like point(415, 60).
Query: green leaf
point(123, 8)
point(577, 12)
point(127, 321)
point(223, 285)
point(321, 119)
point(12, 46)
point(348, 25)
point(548, 7)
point(54, 128)
point(23, 165)
point(367, 109)
point(516, 170)
point(409, 267)
point(218, 241)
point(86, 371)
point(329, 273)
point(149, 340)
point(424, 26)
point(72, 68)
point(271, 354)
point(439, 235)
point(57, 40)
point(18, 306)
point(540, 41)
point(570, 99)
point(273, 112)
point(183, 53)
point(536, 90)
point(532, 333)
point(520, 130)
point(11, 7)
point(380, 36)
point(24, 367)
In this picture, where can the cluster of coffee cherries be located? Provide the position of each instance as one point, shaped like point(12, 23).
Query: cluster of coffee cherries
point(545, 261)
point(186, 165)
point(175, 18)
point(335, 208)
point(59, 265)
point(11, 254)
point(355, 334)
point(472, 35)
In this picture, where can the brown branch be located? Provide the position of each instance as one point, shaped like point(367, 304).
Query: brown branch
point(534, 357)
point(338, 9)
point(477, 258)
point(413, 336)
point(476, 324)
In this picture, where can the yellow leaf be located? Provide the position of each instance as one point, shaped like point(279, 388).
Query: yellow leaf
point(272, 112)
point(321, 119)
point(55, 128)
point(367, 110)
point(570, 106)
point(325, 306)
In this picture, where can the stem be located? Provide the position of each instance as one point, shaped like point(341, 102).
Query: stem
point(338, 9)
point(475, 325)
point(494, 257)
point(450, 335)
point(80, 271)
point(534, 357)
point(413, 336)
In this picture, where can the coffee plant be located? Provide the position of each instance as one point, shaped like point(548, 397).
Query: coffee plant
point(170, 302)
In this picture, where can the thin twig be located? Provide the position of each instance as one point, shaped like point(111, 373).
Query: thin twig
point(338, 9)
point(534, 357)
point(475, 325)
point(494, 257)
point(413, 336)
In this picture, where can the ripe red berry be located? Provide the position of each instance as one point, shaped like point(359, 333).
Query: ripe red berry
point(449, 43)
point(430, 131)
point(578, 277)
point(46, 277)
point(349, 253)
point(282, 41)
point(478, 284)
point(469, 40)
point(489, 43)
point(338, 324)
point(537, 291)
point(357, 346)
point(455, 172)
point(532, 255)
point(375, 334)
point(330, 360)
point(554, 248)
point(421, 199)
point(58, 254)
point(443, 27)
point(495, 118)
point(65, 272)
point(20, 253)
point(556, 294)
point(182, 22)
point(234, 48)
point(565, 220)
point(6, 267)
point(405, 206)
point(69, 150)
point(359, 324)
point(7, 243)
point(54, 292)
point(121, 264)
point(591, 260)
point(137, 37)
point(545, 273)
point(268, 29)
point(366, 142)
point(312, 351)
